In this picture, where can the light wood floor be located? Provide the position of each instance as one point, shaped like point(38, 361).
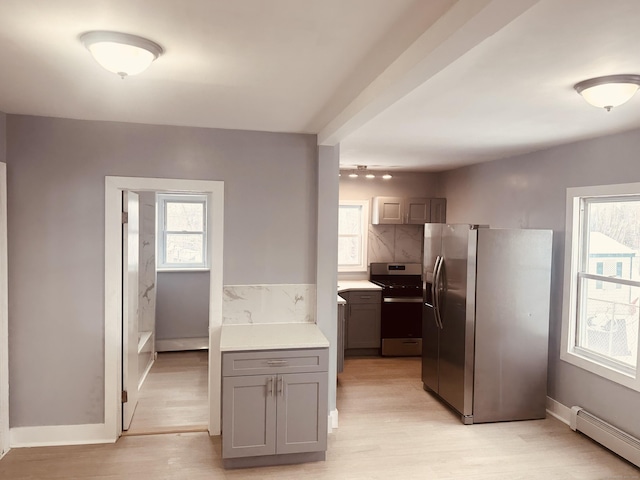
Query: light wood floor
point(389, 429)
point(174, 397)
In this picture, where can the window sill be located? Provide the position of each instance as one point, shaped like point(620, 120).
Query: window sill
point(184, 269)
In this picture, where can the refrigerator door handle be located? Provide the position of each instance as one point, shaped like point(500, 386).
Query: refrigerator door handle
point(435, 290)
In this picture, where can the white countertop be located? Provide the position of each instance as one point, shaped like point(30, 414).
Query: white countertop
point(271, 336)
point(345, 285)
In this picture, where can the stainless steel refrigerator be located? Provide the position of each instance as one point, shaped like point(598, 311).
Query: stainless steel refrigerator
point(486, 320)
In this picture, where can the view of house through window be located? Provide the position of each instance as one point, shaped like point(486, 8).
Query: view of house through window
point(182, 231)
point(609, 280)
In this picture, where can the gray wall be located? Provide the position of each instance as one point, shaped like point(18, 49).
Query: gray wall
point(327, 259)
point(56, 238)
point(401, 185)
point(530, 192)
point(182, 305)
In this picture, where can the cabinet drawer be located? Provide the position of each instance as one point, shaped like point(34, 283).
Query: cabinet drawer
point(365, 297)
point(275, 361)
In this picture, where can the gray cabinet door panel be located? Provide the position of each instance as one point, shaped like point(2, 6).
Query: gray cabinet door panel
point(438, 210)
point(363, 325)
point(418, 210)
point(302, 413)
point(248, 416)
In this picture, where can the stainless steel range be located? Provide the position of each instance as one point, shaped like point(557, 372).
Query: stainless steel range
point(401, 317)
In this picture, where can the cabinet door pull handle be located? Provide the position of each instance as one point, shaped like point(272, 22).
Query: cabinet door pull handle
point(280, 385)
point(365, 297)
point(277, 362)
point(270, 387)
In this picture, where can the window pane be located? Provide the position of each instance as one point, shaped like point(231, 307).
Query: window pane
point(609, 320)
point(349, 251)
point(184, 248)
point(614, 238)
point(185, 217)
point(349, 219)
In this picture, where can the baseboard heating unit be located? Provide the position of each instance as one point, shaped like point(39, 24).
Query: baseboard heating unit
point(606, 434)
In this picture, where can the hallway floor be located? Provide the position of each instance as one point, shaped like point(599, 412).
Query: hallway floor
point(174, 396)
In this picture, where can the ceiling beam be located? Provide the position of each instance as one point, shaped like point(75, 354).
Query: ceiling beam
point(458, 31)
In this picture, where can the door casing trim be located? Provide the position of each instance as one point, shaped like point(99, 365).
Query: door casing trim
point(113, 293)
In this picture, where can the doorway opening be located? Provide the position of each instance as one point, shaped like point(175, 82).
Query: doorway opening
point(165, 372)
point(114, 186)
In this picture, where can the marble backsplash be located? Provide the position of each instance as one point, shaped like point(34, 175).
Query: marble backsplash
point(147, 269)
point(278, 303)
point(395, 243)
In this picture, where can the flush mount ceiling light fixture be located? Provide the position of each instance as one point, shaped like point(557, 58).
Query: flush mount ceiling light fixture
point(121, 53)
point(610, 91)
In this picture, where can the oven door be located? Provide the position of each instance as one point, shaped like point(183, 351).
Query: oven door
point(401, 326)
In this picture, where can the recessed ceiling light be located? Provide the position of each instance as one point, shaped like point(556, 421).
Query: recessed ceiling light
point(121, 53)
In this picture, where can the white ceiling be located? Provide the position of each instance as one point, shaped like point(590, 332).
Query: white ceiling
point(411, 85)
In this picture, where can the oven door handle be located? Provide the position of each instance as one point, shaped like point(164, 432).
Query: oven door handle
point(402, 300)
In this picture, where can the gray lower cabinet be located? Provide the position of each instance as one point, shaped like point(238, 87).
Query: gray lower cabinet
point(363, 321)
point(274, 404)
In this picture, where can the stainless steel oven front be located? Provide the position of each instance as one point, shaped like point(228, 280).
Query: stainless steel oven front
point(401, 312)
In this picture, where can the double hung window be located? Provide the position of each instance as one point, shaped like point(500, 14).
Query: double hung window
point(352, 236)
point(182, 231)
point(602, 281)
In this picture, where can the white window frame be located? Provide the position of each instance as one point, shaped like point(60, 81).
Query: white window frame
point(364, 232)
point(574, 230)
point(161, 201)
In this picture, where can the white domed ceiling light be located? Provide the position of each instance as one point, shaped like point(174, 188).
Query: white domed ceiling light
point(610, 91)
point(121, 53)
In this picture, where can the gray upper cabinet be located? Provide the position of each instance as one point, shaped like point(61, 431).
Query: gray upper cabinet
point(274, 403)
point(417, 210)
point(387, 211)
point(399, 210)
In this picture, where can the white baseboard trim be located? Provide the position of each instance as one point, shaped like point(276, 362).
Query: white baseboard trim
point(333, 420)
point(55, 435)
point(558, 410)
point(178, 344)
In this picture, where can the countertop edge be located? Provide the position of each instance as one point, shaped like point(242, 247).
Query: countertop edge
point(271, 336)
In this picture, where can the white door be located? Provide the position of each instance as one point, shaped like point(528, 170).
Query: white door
point(4, 332)
point(130, 241)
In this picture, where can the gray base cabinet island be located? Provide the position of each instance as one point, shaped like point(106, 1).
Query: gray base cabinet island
point(274, 400)
point(362, 318)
